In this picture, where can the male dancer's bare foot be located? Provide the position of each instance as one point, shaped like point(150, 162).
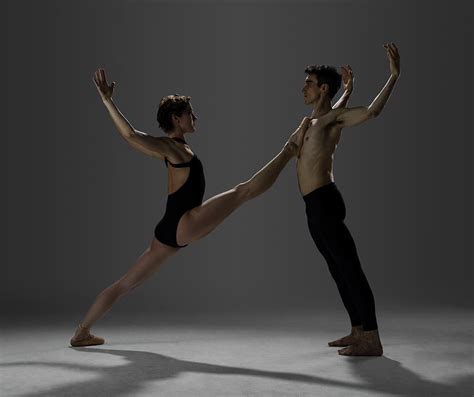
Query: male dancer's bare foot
point(367, 344)
point(83, 337)
point(349, 339)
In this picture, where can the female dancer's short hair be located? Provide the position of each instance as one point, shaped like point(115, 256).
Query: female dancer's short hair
point(169, 105)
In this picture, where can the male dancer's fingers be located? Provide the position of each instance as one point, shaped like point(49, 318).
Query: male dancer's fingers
point(348, 69)
point(347, 73)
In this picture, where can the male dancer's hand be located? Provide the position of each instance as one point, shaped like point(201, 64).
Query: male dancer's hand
point(347, 78)
point(296, 139)
point(394, 59)
point(105, 90)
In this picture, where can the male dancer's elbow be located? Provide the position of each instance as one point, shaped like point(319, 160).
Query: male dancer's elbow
point(373, 113)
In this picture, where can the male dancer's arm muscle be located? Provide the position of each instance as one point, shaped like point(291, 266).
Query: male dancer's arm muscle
point(357, 115)
point(348, 84)
point(150, 145)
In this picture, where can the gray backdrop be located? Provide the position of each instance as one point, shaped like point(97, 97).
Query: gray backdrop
point(81, 205)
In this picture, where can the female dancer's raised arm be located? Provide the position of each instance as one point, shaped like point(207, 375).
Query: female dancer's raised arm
point(153, 146)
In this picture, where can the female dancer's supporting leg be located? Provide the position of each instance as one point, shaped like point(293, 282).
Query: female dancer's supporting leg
point(146, 265)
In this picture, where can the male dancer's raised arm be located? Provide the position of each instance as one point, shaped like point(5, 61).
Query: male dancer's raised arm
point(348, 82)
point(349, 117)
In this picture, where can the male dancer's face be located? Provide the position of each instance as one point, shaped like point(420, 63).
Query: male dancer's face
point(311, 91)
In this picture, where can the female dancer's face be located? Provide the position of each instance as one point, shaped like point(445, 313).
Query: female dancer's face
point(187, 119)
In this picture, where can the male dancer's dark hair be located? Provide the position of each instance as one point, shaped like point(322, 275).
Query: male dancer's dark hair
point(326, 75)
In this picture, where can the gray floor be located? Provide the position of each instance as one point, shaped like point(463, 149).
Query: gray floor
point(427, 353)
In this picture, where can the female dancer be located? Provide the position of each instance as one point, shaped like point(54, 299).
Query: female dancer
point(186, 218)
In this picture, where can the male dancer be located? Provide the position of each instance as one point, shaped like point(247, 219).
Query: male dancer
point(325, 208)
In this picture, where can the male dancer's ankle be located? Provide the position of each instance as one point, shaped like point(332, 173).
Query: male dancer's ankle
point(356, 332)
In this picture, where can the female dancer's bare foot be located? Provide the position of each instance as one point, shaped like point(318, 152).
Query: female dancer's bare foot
point(83, 337)
point(349, 339)
point(367, 344)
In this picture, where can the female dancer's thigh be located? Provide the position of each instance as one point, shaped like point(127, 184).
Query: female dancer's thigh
point(202, 220)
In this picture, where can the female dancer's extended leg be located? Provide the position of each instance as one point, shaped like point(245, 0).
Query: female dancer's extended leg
point(146, 265)
point(203, 219)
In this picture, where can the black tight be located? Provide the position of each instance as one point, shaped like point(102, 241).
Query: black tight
point(326, 211)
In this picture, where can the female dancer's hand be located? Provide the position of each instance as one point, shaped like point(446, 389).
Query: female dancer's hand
point(100, 81)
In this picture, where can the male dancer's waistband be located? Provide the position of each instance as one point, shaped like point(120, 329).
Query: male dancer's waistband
point(320, 190)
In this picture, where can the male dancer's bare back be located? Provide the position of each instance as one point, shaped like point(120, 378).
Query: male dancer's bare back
point(325, 207)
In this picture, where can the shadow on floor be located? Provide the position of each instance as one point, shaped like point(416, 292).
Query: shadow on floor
point(378, 374)
point(385, 375)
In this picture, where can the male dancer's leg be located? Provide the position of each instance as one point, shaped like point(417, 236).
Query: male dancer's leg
point(340, 244)
point(326, 211)
point(342, 247)
point(336, 275)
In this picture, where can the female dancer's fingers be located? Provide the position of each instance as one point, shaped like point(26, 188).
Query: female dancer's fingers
point(104, 79)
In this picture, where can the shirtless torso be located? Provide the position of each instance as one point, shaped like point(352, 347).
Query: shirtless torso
point(314, 164)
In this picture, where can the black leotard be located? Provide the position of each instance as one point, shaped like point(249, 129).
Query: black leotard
point(185, 198)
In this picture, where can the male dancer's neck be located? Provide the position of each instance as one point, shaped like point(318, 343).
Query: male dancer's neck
point(321, 107)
